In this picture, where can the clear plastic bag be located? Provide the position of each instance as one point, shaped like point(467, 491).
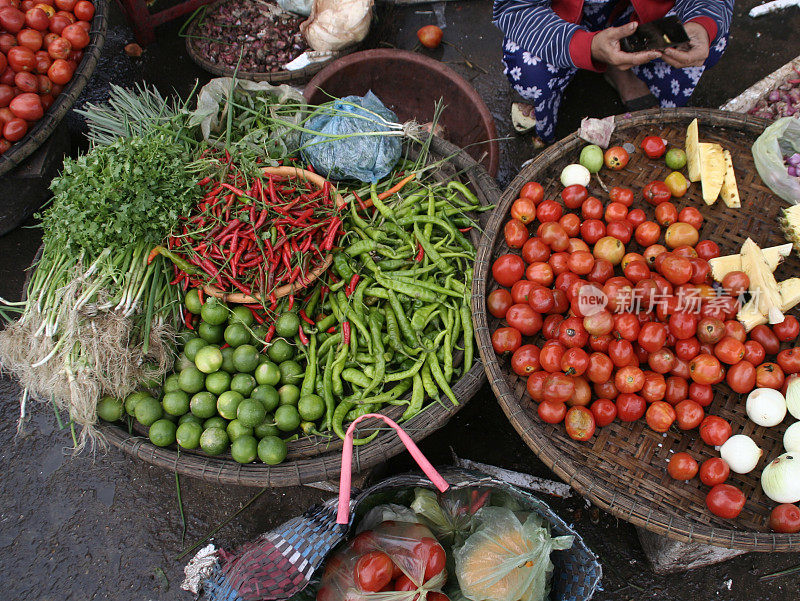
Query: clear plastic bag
point(393, 555)
point(363, 154)
point(299, 7)
point(450, 515)
point(507, 560)
point(336, 24)
point(780, 139)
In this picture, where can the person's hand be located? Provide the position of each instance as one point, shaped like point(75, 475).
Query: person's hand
point(697, 53)
point(606, 48)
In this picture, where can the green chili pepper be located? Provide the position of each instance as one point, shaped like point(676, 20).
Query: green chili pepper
point(338, 424)
point(447, 347)
point(427, 381)
point(364, 246)
point(438, 376)
point(466, 323)
point(327, 390)
point(382, 208)
point(423, 315)
point(311, 367)
point(410, 290)
point(407, 373)
point(402, 320)
point(355, 376)
point(336, 370)
point(341, 267)
point(329, 343)
point(417, 396)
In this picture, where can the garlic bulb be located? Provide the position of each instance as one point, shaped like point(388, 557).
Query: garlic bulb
point(740, 453)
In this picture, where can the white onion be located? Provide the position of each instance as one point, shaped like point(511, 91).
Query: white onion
point(575, 174)
point(780, 480)
point(740, 453)
point(766, 407)
point(793, 397)
point(791, 438)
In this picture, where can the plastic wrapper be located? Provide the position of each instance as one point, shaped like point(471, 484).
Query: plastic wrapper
point(780, 139)
point(450, 515)
point(506, 559)
point(362, 155)
point(336, 24)
point(393, 555)
point(298, 7)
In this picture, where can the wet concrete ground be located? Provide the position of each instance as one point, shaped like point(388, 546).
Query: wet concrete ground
point(104, 526)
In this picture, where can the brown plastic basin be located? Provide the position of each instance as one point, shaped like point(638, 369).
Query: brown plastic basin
point(410, 84)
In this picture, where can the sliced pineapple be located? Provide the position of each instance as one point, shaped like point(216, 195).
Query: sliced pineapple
point(790, 224)
point(763, 286)
point(730, 191)
point(722, 266)
point(712, 171)
point(790, 293)
point(693, 151)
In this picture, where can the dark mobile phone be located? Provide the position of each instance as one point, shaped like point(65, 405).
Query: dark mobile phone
point(656, 35)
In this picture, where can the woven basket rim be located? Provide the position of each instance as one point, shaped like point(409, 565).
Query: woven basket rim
point(639, 513)
point(47, 124)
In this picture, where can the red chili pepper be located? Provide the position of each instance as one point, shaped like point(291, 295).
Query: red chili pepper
point(230, 228)
point(204, 182)
point(291, 302)
point(306, 318)
point(234, 189)
point(361, 204)
point(327, 241)
point(200, 294)
point(331, 330)
point(350, 288)
point(420, 253)
point(177, 280)
point(464, 230)
point(302, 336)
point(346, 332)
point(187, 319)
point(242, 287)
point(226, 345)
point(270, 333)
point(257, 316)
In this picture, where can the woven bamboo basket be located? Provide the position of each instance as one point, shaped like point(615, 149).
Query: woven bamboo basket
point(313, 458)
point(622, 469)
point(53, 116)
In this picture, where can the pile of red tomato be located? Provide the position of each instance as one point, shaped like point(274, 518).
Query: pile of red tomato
point(666, 336)
point(41, 45)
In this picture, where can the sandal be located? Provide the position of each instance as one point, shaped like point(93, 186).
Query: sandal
point(647, 101)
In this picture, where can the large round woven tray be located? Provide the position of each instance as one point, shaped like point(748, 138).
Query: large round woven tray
point(314, 459)
point(282, 76)
point(622, 469)
point(53, 116)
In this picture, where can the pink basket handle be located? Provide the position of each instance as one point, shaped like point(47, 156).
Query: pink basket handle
point(345, 479)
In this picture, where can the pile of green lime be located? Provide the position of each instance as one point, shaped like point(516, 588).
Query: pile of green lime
point(224, 395)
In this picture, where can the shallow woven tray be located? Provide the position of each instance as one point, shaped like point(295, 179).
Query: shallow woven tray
point(313, 459)
point(282, 76)
point(63, 103)
point(622, 469)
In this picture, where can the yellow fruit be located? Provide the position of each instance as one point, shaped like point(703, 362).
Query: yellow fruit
point(676, 183)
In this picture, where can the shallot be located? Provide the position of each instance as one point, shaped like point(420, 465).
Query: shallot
point(783, 101)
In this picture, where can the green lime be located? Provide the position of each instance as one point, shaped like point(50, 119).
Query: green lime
point(592, 158)
point(218, 382)
point(214, 441)
point(148, 411)
point(241, 315)
point(162, 433)
point(287, 325)
point(291, 372)
point(191, 348)
point(244, 449)
point(203, 405)
point(214, 312)
point(188, 435)
point(288, 394)
point(267, 395)
point(171, 383)
point(272, 450)
point(228, 403)
point(245, 358)
point(243, 384)
point(268, 373)
point(259, 333)
point(236, 335)
point(191, 380)
point(208, 359)
point(193, 302)
point(190, 418)
point(280, 351)
point(227, 360)
point(181, 363)
point(311, 407)
point(287, 418)
point(133, 399)
point(110, 409)
point(210, 333)
point(675, 159)
point(236, 429)
point(266, 428)
point(215, 422)
point(251, 412)
point(176, 403)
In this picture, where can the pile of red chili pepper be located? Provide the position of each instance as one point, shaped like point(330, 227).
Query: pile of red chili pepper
point(253, 235)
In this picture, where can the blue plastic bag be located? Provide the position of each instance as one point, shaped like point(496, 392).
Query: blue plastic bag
point(366, 158)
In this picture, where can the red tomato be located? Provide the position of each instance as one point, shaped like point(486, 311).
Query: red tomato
point(542, 299)
point(59, 48)
point(735, 330)
point(606, 390)
point(621, 230)
point(687, 349)
point(550, 357)
point(785, 518)
point(702, 394)
point(599, 368)
point(691, 216)
point(689, 414)
point(554, 236)
point(363, 542)
point(373, 571)
point(627, 326)
point(522, 317)
point(731, 351)
point(705, 369)
point(558, 387)
point(15, 129)
point(498, 302)
point(520, 291)
point(552, 412)
point(789, 360)
point(604, 412)
point(30, 38)
point(506, 340)
point(660, 416)
point(714, 471)
point(599, 324)
point(788, 329)
point(11, 19)
point(559, 262)
point(21, 58)
point(636, 271)
point(680, 369)
point(27, 106)
point(524, 210)
point(549, 210)
point(725, 501)
point(26, 82)
point(516, 234)
point(572, 225)
point(534, 191)
point(615, 211)
point(629, 379)
point(623, 195)
point(84, 10)
point(551, 323)
point(766, 338)
point(592, 230)
point(60, 72)
point(666, 214)
point(574, 195)
point(741, 377)
point(616, 158)
point(682, 466)
point(707, 249)
point(506, 270)
point(683, 325)
point(677, 390)
point(637, 217)
point(534, 250)
point(662, 361)
point(652, 336)
point(655, 387)
point(430, 551)
point(402, 583)
point(647, 233)
point(630, 407)
point(76, 35)
point(592, 208)
point(535, 385)
point(580, 423)
point(571, 333)
point(525, 360)
point(654, 147)
point(581, 262)
point(710, 330)
point(574, 362)
point(768, 375)
point(714, 430)
point(620, 352)
point(656, 192)
point(540, 273)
